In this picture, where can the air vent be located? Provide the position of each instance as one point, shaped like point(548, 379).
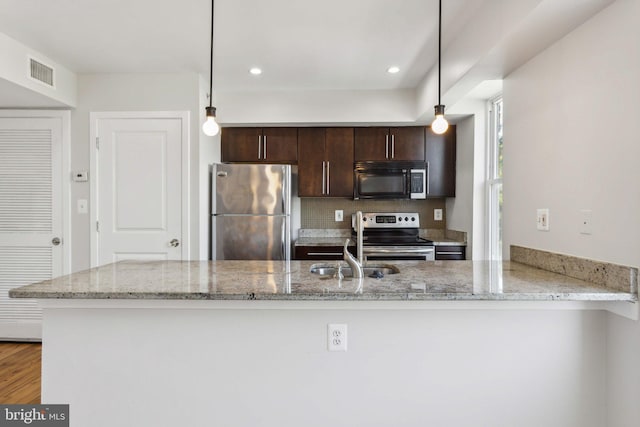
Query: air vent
point(41, 72)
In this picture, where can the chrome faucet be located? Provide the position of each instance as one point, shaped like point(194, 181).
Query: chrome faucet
point(356, 267)
point(359, 237)
point(355, 263)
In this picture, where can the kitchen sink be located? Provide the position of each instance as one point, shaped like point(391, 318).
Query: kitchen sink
point(371, 269)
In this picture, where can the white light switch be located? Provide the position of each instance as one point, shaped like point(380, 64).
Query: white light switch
point(585, 221)
point(542, 221)
point(437, 214)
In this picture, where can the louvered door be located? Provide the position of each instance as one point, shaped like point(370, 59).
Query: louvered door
point(30, 216)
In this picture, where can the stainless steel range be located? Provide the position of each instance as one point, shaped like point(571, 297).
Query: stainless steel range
point(393, 237)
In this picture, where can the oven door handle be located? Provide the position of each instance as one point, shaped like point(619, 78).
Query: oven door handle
point(396, 251)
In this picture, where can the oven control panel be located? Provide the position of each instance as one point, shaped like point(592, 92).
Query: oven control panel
point(388, 220)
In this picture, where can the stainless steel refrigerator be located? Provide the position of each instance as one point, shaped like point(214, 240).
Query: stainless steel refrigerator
point(251, 212)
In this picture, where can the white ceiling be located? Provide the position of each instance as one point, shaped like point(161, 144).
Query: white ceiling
point(300, 44)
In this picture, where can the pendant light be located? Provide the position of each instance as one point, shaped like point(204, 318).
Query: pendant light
point(440, 124)
point(210, 126)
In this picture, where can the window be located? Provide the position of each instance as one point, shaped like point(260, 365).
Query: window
point(494, 179)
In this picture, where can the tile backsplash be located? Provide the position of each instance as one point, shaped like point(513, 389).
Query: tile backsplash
point(319, 213)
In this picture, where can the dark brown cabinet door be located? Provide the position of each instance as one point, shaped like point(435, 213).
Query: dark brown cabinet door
point(311, 162)
point(338, 148)
point(280, 145)
point(240, 144)
point(325, 162)
point(441, 163)
point(257, 145)
point(371, 144)
point(389, 144)
point(407, 143)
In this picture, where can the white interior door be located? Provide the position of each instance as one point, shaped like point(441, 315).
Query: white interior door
point(31, 211)
point(139, 189)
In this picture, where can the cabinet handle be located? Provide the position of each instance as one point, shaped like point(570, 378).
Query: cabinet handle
point(328, 177)
point(448, 253)
point(393, 146)
point(259, 147)
point(324, 177)
point(264, 148)
point(386, 147)
point(324, 253)
point(428, 173)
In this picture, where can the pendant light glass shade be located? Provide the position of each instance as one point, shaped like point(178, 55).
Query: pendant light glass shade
point(439, 124)
point(210, 126)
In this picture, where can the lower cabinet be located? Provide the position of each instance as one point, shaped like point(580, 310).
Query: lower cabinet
point(320, 253)
point(451, 253)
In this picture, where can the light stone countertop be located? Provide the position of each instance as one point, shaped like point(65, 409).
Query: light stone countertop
point(268, 280)
point(322, 241)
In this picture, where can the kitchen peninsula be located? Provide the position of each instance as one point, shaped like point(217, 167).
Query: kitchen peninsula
point(208, 342)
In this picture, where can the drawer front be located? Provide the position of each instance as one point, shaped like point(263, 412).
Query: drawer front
point(452, 253)
point(331, 253)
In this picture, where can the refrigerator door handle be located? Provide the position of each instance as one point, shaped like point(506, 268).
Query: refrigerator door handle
point(283, 240)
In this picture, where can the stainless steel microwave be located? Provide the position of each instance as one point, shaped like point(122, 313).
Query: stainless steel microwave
point(390, 180)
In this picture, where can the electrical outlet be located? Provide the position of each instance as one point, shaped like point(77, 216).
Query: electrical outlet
point(585, 221)
point(337, 337)
point(339, 214)
point(542, 220)
point(437, 214)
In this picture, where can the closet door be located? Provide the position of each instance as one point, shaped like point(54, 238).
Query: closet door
point(31, 211)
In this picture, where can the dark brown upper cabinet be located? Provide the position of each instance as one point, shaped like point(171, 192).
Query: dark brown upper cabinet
point(388, 144)
point(260, 145)
point(441, 163)
point(325, 162)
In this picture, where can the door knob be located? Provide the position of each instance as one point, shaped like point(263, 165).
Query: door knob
point(174, 243)
point(56, 241)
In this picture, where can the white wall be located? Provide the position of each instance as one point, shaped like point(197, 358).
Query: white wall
point(132, 92)
point(14, 68)
point(460, 208)
point(340, 107)
point(467, 211)
point(253, 367)
point(560, 154)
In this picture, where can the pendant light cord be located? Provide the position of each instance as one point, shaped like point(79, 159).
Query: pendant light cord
point(211, 60)
point(439, 48)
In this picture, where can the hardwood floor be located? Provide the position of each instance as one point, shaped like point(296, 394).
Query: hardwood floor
point(20, 372)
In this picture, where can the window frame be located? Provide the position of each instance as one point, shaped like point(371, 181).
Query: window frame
point(494, 181)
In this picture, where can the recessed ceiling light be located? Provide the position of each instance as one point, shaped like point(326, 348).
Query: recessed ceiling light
point(255, 71)
point(393, 70)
